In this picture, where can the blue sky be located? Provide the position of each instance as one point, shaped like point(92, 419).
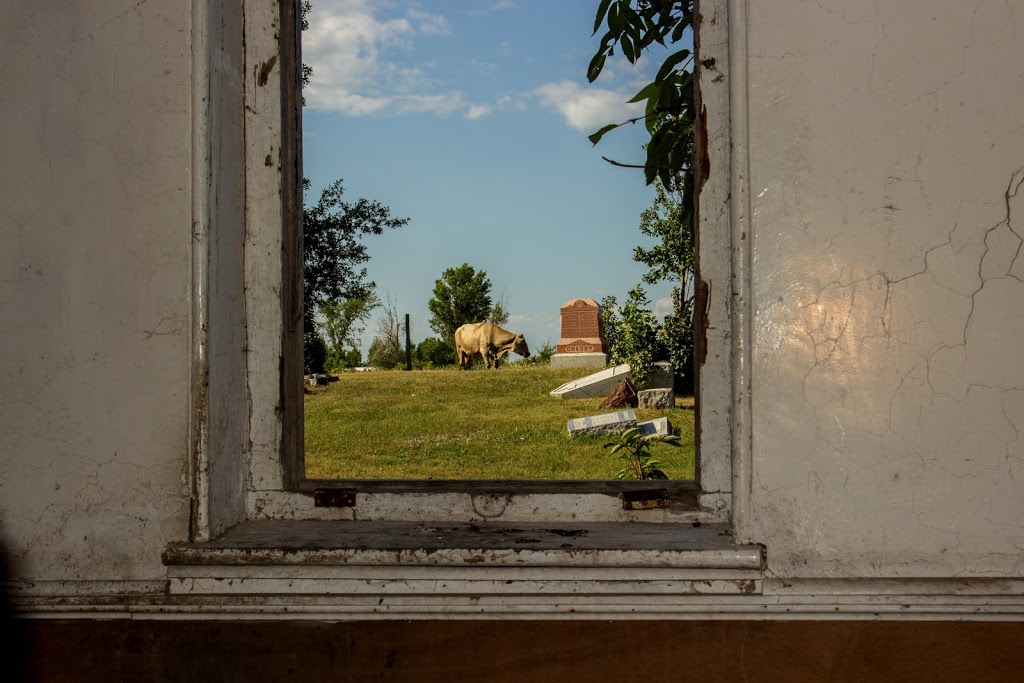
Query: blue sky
point(470, 118)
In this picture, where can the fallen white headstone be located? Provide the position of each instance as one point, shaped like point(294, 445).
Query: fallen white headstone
point(659, 426)
point(597, 385)
point(606, 423)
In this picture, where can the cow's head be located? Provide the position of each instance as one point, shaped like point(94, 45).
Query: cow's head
point(520, 347)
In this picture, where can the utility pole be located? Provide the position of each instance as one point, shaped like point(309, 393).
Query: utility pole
point(408, 345)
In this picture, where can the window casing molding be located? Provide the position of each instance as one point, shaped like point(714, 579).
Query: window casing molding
point(247, 427)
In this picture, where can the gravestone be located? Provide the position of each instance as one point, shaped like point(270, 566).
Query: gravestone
point(607, 423)
point(660, 426)
point(661, 377)
point(595, 385)
point(656, 398)
point(581, 343)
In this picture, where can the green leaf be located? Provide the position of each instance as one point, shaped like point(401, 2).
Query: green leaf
point(627, 48)
point(651, 117)
point(614, 21)
point(596, 137)
point(677, 32)
point(596, 65)
point(670, 64)
point(651, 90)
point(602, 9)
point(628, 14)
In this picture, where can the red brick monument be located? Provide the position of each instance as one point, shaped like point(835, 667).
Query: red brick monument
point(581, 343)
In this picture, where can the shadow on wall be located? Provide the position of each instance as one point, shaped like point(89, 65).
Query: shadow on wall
point(14, 641)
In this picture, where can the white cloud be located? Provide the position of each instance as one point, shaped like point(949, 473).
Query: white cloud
point(663, 307)
point(435, 104)
point(429, 24)
point(587, 109)
point(341, 99)
point(352, 53)
point(478, 111)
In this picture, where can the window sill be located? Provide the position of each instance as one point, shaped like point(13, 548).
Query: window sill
point(443, 569)
point(292, 542)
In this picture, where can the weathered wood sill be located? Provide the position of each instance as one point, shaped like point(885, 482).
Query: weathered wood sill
point(292, 542)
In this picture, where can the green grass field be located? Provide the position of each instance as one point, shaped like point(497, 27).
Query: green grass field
point(453, 424)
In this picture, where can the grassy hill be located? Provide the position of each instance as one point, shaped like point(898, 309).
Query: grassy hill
point(453, 424)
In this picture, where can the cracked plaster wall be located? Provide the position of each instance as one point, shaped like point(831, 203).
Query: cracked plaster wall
point(95, 209)
point(887, 158)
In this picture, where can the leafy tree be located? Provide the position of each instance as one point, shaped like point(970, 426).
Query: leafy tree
point(634, 26)
point(384, 354)
point(436, 353)
point(636, 341)
point(352, 358)
point(499, 312)
point(341, 326)
point(386, 350)
point(334, 253)
point(610, 320)
point(462, 295)
point(670, 220)
point(332, 232)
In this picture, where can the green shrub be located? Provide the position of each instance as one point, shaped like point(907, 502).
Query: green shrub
point(435, 353)
point(543, 356)
point(636, 338)
point(352, 358)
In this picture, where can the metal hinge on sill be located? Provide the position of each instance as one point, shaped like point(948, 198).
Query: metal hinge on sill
point(645, 500)
point(334, 498)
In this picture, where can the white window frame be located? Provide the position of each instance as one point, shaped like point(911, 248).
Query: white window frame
point(247, 201)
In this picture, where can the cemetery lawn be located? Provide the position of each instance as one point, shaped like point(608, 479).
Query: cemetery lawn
point(477, 424)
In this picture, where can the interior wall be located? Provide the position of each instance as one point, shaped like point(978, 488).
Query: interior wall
point(887, 154)
point(95, 211)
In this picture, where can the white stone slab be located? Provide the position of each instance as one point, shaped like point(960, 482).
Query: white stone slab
point(606, 423)
point(660, 426)
point(597, 385)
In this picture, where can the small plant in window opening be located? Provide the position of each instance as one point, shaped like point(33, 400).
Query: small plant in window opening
point(635, 449)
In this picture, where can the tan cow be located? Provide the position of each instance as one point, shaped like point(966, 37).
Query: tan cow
point(488, 342)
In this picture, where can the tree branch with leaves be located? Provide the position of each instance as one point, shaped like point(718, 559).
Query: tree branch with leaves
point(634, 26)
